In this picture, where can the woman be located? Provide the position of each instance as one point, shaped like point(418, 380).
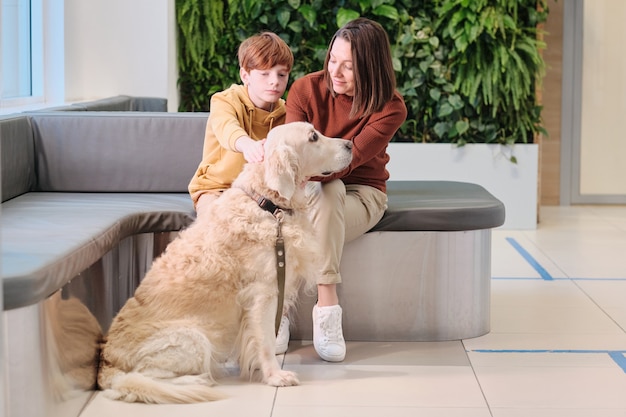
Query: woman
point(354, 98)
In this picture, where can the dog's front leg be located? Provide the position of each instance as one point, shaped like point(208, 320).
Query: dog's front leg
point(259, 350)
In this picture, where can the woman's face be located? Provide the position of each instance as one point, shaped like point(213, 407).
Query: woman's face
point(340, 67)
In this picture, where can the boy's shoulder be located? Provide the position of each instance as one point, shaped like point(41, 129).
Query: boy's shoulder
point(235, 90)
point(236, 93)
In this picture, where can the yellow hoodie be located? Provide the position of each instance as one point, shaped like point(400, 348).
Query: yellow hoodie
point(232, 115)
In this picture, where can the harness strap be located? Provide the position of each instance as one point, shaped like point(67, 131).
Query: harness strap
point(280, 268)
point(278, 213)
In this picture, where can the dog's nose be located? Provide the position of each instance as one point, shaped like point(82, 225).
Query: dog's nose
point(348, 144)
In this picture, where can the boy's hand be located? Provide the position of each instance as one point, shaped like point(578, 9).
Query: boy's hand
point(251, 149)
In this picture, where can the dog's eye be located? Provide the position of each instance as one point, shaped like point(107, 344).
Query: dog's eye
point(313, 137)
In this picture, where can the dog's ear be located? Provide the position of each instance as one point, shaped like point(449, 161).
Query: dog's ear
point(281, 171)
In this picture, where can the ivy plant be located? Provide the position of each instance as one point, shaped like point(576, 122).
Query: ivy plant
point(467, 69)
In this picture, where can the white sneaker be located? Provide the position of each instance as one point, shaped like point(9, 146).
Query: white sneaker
point(328, 334)
point(282, 338)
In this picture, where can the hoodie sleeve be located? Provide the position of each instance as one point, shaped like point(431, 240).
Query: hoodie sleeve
point(226, 120)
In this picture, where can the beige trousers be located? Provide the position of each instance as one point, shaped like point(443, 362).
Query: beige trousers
point(341, 213)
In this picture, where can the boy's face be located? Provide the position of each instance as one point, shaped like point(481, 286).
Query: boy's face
point(265, 87)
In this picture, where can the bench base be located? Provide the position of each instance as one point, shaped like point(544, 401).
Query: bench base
point(54, 344)
point(411, 286)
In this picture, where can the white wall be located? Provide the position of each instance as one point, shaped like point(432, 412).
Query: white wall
point(603, 138)
point(117, 47)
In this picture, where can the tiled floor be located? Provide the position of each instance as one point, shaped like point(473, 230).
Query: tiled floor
point(556, 348)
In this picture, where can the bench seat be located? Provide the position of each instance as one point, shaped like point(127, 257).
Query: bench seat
point(49, 238)
point(439, 206)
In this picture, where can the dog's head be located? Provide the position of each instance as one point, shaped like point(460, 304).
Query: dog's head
point(296, 151)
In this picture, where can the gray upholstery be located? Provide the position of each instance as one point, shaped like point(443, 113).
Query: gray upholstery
point(148, 104)
point(117, 151)
point(117, 103)
point(439, 206)
point(125, 103)
point(17, 156)
point(49, 238)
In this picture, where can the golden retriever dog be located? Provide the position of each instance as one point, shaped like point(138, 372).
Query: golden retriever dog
point(213, 295)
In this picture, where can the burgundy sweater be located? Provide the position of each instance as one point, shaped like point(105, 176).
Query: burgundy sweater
point(309, 100)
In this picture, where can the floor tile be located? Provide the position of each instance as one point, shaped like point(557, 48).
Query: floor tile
point(387, 411)
point(553, 387)
point(384, 353)
point(557, 412)
point(245, 399)
point(383, 386)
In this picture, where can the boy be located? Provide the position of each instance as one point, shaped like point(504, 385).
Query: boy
point(242, 115)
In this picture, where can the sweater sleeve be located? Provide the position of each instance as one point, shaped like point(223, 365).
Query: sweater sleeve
point(225, 122)
point(372, 140)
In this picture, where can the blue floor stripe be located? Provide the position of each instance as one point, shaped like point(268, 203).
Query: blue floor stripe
point(528, 257)
point(558, 279)
point(617, 355)
point(619, 359)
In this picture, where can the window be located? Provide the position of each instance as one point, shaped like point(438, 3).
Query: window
point(21, 35)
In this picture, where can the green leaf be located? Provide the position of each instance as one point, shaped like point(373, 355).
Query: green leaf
point(397, 64)
point(445, 110)
point(344, 16)
point(309, 14)
point(386, 11)
point(441, 129)
point(435, 94)
point(461, 126)
point(461, 43)
point(283, 16)
point(456, 101)
point(295, 27)
point(295, 4)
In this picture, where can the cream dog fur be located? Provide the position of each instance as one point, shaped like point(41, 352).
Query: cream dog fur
point(212, 295)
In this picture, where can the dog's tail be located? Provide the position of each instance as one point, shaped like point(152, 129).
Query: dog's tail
point(136, 387)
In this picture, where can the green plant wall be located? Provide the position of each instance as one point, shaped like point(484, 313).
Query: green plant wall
point(467, 69)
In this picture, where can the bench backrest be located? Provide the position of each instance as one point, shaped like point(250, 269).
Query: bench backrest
point(117, 151)
point(17, 156)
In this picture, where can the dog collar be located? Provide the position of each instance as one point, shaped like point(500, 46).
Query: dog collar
point(267, 204)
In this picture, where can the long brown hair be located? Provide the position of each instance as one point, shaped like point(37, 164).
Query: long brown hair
point(374, 77)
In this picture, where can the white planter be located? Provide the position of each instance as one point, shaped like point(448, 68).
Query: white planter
point(487, 165)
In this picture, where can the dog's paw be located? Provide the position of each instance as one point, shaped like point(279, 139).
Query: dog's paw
point(282, 378)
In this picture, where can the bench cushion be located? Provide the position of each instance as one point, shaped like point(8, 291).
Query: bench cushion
point(439, 206)
point(49, 238)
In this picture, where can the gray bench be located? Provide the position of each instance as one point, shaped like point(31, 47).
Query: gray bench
point(89, 199)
